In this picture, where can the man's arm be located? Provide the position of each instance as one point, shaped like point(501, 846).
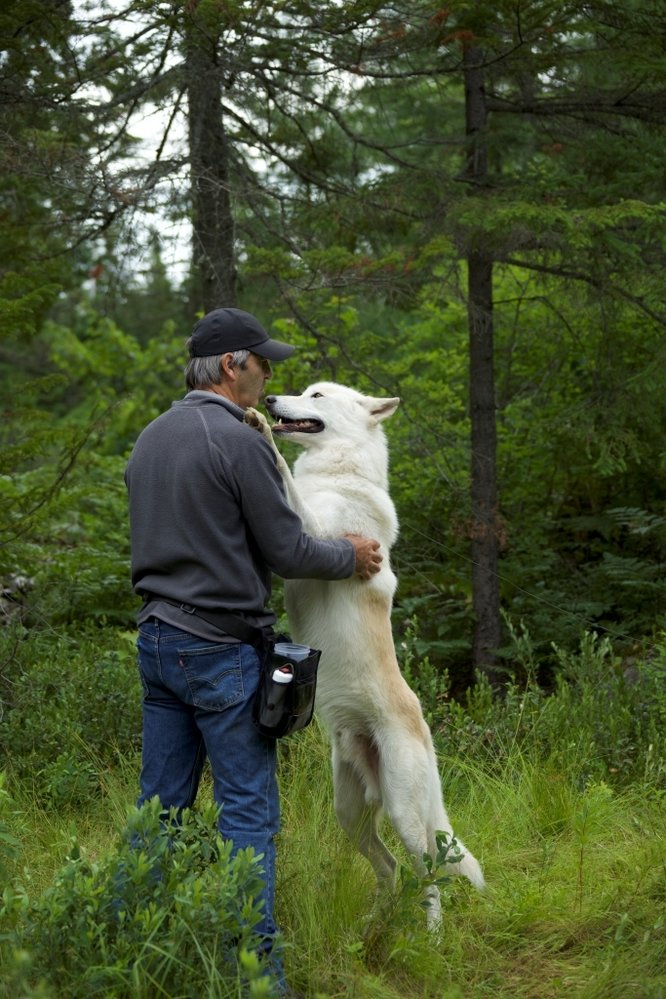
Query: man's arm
point(286, 547)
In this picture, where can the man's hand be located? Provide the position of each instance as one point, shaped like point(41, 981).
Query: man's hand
point(368, 559)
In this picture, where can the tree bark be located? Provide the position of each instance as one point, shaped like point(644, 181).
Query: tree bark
point(485, 543)
point(213, 252)
point(484, 496)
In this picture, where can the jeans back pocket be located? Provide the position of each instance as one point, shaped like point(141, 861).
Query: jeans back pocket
point(214, 675)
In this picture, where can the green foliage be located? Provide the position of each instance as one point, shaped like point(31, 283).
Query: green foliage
point(69, 704)
point(579, 412)
point(505, 227)
point(133, 380)
point(71, 550)
point(64, 506)
point(401, 910)
point(50, 191)
point(552, 792)
point(8, 842)
point(352, 215)
point(352, 222)
point(415, 665)
point(604, 721)
point(168, 911)
point(562, 901)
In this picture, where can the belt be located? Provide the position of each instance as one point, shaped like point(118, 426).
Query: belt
point(224, 620)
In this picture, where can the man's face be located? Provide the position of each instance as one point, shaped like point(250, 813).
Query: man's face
point(250, 381)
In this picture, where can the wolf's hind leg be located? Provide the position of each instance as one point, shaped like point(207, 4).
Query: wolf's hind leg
point(409, 794)
point(360, 818)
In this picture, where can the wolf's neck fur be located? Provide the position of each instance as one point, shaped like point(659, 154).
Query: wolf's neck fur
point(344, 458)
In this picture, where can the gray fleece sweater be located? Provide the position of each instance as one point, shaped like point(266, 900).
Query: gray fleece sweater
point(209, 520)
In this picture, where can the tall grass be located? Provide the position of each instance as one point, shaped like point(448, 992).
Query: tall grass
point(562, 798)
point(573, 905)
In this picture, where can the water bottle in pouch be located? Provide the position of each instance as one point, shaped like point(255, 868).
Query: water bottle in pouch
point(285, 698)
point(284, 674)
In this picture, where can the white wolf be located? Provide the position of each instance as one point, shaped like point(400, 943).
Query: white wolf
point(382, 751)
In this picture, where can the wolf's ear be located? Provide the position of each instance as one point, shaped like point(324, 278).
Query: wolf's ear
point(381, 409)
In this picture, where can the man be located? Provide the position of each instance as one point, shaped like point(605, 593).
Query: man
point(209, 525)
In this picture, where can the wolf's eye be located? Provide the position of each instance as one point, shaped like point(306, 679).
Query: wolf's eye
point(317, 395)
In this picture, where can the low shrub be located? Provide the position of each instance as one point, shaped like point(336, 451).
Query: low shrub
point(604, 719)
point(68, 704)
point(8, 842)
point(168, 912)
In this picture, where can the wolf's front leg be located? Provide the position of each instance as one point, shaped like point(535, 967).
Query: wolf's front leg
point(257, 420)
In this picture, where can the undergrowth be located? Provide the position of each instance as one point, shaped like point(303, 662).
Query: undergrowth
point(167, 911)
point(561, 797)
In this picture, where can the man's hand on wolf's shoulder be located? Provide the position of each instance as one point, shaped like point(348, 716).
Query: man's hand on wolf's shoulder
point(368, 559)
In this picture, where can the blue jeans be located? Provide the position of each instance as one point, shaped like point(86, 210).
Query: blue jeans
point(197, 703)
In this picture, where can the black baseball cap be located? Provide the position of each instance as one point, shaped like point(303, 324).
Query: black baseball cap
point(225, 330)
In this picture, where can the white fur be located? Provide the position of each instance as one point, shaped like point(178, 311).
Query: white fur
point(382, 751)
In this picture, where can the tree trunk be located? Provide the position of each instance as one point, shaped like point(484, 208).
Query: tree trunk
point(213, 257)
point(485, 543)
point(485, 583)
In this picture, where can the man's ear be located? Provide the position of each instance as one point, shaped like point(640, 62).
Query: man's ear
point(381, 409)
point(227, 367)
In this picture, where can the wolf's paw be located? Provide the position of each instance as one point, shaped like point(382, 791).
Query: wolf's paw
point(258, 421)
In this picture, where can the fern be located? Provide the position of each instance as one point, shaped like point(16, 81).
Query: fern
point(637, 521)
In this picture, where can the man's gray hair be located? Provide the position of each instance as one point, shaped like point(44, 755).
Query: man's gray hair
point(202, 372)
